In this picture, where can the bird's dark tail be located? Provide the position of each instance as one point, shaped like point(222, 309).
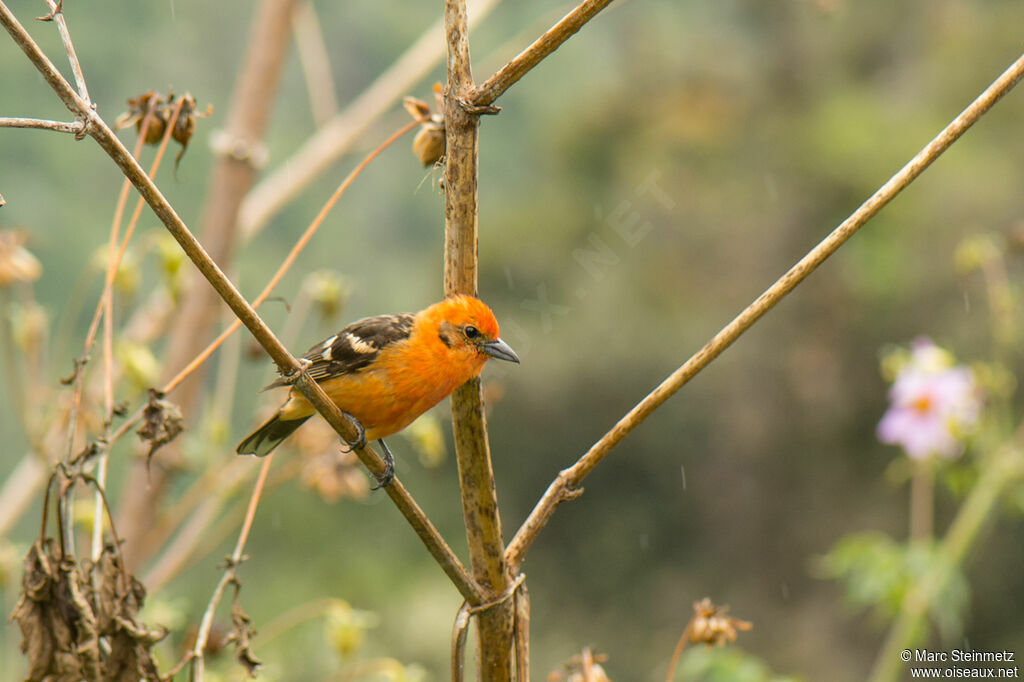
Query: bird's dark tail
point(263, 440)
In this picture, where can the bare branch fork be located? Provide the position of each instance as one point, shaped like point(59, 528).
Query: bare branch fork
point(97, 128)
point(566, 485)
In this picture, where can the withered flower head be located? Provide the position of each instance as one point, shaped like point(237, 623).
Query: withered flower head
point(151, 103)
point(710, 625)
point(185, 126)
point(429, 143)
point(161, 111)
point(161, 422)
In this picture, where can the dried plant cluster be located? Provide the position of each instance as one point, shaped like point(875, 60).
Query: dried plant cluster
point(79, 616)
point(79, 622)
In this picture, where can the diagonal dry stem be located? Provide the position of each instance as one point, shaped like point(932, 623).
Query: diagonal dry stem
point(286, 363)
point(506, 77)
point(567, 483)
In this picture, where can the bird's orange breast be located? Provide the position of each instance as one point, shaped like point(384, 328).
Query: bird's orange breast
point(405, 381)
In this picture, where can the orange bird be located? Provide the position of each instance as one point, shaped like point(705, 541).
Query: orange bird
point(385, 371)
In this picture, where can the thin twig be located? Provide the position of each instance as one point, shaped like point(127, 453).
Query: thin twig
point(230, 575)
point(286, 363)
point(57, 15)
point(493, 87)
point(337, 136)
point(569, 480)
point(73, 127)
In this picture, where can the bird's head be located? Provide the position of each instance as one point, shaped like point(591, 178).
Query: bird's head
point(467, 327)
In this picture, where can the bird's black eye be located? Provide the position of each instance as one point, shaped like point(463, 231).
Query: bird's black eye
point(471, 332)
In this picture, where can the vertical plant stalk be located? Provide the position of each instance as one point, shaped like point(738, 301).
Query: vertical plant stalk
point(316, 65)
point(1005, 467)
point(472, 450)
point(922, 500)
point(232, 177)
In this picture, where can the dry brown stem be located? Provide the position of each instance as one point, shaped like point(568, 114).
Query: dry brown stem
point(493, 87)
point(74, 127)
point(472, 450)
point(566, 485)
point(57, 15)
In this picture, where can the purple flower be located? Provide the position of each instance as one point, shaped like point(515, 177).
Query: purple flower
point(932, 404)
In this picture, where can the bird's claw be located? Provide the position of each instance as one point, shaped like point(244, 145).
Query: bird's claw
point(388, 475)
point(360, 441)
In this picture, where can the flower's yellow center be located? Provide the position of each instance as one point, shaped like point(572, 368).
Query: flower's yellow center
point(923, 404)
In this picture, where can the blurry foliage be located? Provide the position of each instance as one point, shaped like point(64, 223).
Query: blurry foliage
point(877, 572)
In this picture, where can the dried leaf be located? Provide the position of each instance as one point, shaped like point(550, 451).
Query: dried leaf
point(185, 126)
point(31, 613)
point(243, 633)
point(63, 618)
point(161, 422)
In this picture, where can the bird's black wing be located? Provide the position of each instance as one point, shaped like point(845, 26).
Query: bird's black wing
point(354, 347)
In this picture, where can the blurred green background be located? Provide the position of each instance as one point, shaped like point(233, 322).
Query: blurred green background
point(762, 125)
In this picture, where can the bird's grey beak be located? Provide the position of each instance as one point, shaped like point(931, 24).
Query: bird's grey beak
point(501, 350)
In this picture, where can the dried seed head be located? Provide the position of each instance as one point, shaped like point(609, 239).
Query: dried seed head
point(429, 143)
point(711, 626)
point(152, 103)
